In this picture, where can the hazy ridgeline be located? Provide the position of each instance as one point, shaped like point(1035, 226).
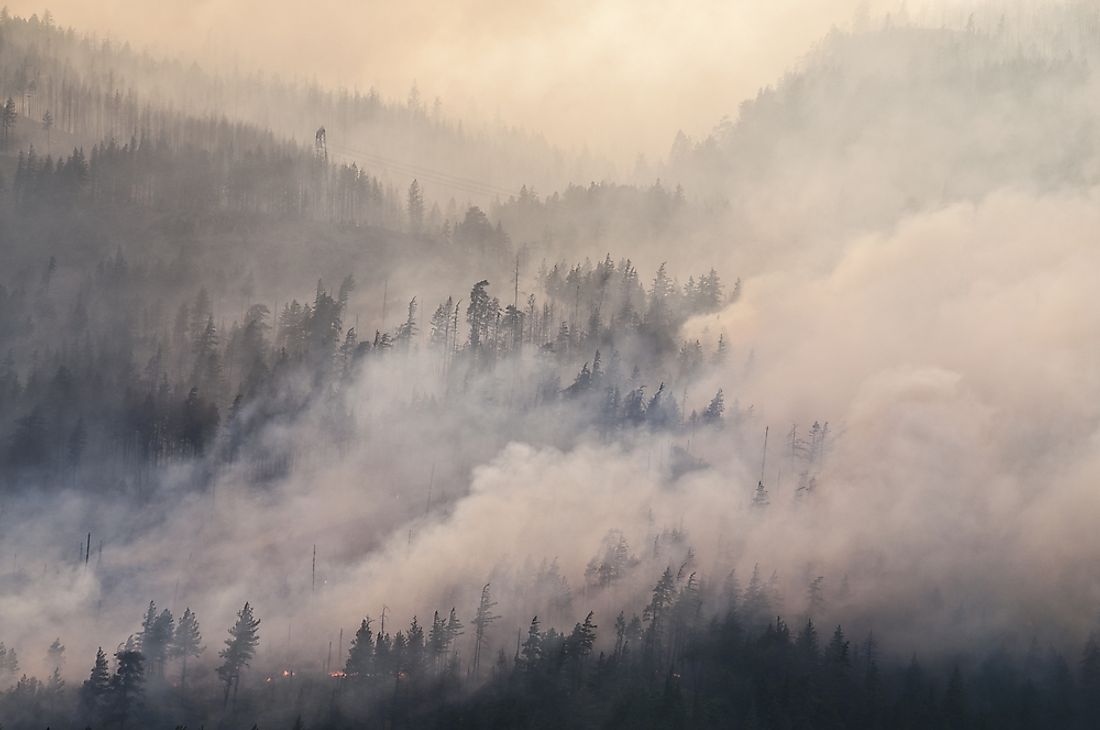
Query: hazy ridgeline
point(835, 362)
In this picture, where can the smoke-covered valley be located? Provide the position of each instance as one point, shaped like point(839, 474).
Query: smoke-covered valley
point(834, 363)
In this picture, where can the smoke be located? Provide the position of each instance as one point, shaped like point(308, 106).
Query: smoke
point(952, 350)
point(547, 66)
point(958, 354)
point(954, 359)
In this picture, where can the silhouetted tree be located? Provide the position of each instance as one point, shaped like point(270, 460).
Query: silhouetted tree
point(239, 649)
point(186, 642)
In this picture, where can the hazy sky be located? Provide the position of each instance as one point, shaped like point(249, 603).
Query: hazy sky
point(619, 75)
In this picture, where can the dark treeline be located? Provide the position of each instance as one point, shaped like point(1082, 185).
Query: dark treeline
point(108, 371)
point(203, 167)
point(694, 655)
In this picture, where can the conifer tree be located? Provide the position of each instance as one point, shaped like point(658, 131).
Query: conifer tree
point(96, 689)
point(155, 641)
point(531, 651)
point(482, 619)
point(437, 639)
point(128, 683)
point(9, 660)
point(414, 647)
point(361, 652)
point(47, 127)
point(581, 640)
point(415, 208)
point(806, 641)
point(713, 412)
point(8, 117)
point(836, 653)
point(239, 649)
point(55, 655)
point(655, 614)
point(453, 630)
point(186, 642)
point(407, 331)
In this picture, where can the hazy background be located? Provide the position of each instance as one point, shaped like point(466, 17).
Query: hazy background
point(619, 76)
point(912, 212)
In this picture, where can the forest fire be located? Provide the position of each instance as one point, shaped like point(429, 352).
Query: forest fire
point(286, 674)
point(490, 458)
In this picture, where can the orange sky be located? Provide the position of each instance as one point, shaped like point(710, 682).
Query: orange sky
point(619, 75)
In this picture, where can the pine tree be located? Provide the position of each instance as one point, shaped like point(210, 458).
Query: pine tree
point(954, 702)
point(581, 640)
point(415, 208)
point(836, 653)
point(441, 325)
point(55, 655)
point(361, 652)
point(147, 625)
point(714, 410)
point(55, 686)
point(757, 603)
point(343, 294)
point(815, 597)
point(156, 644)
point(453, 630)
point(96, 689)
point(620, 635)
point(239, 649)
point(382, 653)
point(9, 661)
point(47, 126)
point(128, 683)
point(806, 643)
point(531, 651)
point(407, 331)
point(477, 314)
point(688, 609)
point(481, 621)
point(656, 614)
point(414, 647)
point(731, 591)
point(8, 117)
point(721, 352)
point(186, 642)
point(437, 639)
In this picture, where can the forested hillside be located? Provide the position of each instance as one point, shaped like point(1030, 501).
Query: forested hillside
point(96, 88)
point(421, 426)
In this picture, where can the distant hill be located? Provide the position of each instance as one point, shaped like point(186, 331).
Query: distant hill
point(98, 88)
point(882, 123)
